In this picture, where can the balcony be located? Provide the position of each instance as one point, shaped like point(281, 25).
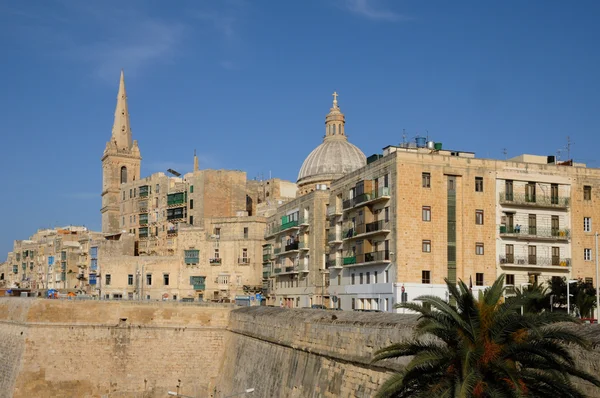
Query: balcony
point(366, 230)
point(143, 220)
point(335, 263)
point(541, 201)
point(199, 286)
point(334, 237)
point(303, 222)
point(380, 257)
point(509, 260)
point(288, 225)
point(368, 198)
point(243, 260)
point(291, 247)
point(277, 250)
point(215, 261)
point(176, 214)
point(303, 245)
point(266, 274)
point(277, 270)
point(175, 199)
point(266, 257)
point(535, 233)
point(143, 191)
point(172, 232)
point(333, 211)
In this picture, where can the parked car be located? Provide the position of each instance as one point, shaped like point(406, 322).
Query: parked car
point(318, 307)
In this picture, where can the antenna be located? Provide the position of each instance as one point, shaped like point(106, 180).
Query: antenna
point(568, 147)
point(505, 153)
point(404, 136)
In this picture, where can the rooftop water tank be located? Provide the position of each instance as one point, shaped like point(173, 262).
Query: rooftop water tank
point(421, 142)
point(430, 145)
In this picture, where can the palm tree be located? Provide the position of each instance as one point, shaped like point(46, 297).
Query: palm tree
point(484, 348)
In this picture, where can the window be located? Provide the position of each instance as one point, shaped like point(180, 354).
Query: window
point(353, 303)
point(479, 279)
point(191, 220)
point(134, 192)
point(587, 224)
point(426, 246)
point(245, 232)
point(530, 192)
point(191, 256)
point(368, 278)
point(191, 204)
point(510, 279)
point(360, 278)
point(426, 213)
point(479, 217)
point(374, 276)
point(508, 186)
point(123, 174)
point(587, 192)
point(130, 280)
point(123, 195)
point(157, 190)
point(191, 189)
point(555, 226)
point(352, 279)
point(386, 276)
point(587, 254)
point(166, 279)
point(478, 184)
point(130, 193)
point(426, 277)
point(386, 212)
point(555, 255)
point(510, 254)
point(217, 232)
point(532, 251)
point(479, 248)
point(426, 179)
point(532, 224)
point(107, 279)
point(149, 279)
point(554, 194)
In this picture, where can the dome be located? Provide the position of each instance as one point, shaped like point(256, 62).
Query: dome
point(330, 161)
point(334, 157)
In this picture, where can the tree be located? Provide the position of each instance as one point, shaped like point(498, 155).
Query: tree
point(485, 348)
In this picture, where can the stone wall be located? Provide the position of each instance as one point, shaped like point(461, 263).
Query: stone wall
point(55, 348)
point(308, 353)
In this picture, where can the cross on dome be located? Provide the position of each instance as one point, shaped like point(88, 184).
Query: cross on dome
point(335, 95)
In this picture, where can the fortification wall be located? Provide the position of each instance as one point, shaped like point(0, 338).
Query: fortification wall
point(309, 353)
point(61, 348)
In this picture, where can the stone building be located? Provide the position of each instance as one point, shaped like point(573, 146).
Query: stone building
point(419, 214)
point(294, 254)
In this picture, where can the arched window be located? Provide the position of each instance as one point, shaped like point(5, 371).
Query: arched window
point(123, 174)
point(340, 129)
point(334, 129)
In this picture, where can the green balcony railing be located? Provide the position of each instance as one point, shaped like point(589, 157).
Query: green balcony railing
point(266, 257)
point(277, 270)
point(350, 260)
point(266, 274)
point(288, 225)
point(533, 200)
point(200, 287)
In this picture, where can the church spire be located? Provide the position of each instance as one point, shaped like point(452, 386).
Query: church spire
point(121, 132)
point(335, 121)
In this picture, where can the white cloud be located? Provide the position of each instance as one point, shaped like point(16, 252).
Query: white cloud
point(368, 9)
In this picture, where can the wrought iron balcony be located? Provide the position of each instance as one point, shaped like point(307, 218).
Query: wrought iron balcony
point(333, 210)
point(215, 261)
point(364, 230)
point(291, 246)
point(334, 237)
point(367, 198)
point(334, 263)
point(534, 261)
point(540, 233)
point(545, 201)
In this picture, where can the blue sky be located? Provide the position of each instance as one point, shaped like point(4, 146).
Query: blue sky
point(248, 84)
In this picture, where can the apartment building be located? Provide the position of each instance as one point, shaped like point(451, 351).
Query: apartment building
point(419, 214)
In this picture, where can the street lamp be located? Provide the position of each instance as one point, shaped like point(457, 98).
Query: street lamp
point(569, 295)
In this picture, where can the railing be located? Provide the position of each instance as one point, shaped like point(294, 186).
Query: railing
point(215, 261)
point(552, 261)
point(556, 233)
point(383, 192)
point(367, 228)
point(291, 246)
point(277, 270)
point(288, 225)
point(266, 274)
point(200, 287)
point(243, 260)
point(172, 232)
point(303, 245)
point(289, 269)
point(334, 263)
point(533, 200)
point(334, 237)
point(143, 220)
point(371, 257)
point(266, 257)
point(331, 210)
point(143, 234)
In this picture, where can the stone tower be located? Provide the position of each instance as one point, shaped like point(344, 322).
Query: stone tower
point(120, 163)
